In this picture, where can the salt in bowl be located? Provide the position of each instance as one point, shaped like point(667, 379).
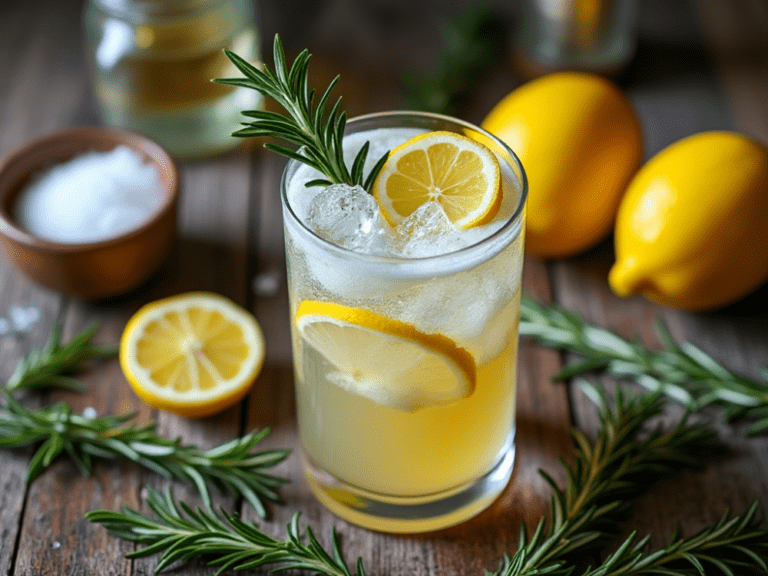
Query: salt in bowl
point(90, 270)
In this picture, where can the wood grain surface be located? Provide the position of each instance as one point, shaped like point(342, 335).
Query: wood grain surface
point(700, 65)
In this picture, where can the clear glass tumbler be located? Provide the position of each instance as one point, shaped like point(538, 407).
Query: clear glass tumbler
point(399, 464)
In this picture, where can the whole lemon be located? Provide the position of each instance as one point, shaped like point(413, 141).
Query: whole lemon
point(580, 143)
point(692, 229)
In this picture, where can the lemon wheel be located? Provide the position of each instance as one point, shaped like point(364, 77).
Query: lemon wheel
point(459, 173)
point(194, 354)
point(385, 360)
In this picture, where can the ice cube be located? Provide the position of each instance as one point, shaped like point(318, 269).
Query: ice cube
point(426, 232)
point(349, 217)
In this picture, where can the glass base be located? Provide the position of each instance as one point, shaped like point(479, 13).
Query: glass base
point(408, 515)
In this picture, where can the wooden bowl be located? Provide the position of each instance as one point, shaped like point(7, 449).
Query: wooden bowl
point(90, 270)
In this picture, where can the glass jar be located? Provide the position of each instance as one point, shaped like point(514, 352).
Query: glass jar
point(153, 61)
point(588, 35)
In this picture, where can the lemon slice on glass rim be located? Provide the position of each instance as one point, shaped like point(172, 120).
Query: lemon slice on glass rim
point(457, 172)
point(194, 354)
point(385, 360)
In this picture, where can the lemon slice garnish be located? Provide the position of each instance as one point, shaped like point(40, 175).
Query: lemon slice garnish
point(457, 172)
point(194, 354)
point(386, 360)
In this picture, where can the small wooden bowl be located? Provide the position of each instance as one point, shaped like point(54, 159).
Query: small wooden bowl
point(91, 270)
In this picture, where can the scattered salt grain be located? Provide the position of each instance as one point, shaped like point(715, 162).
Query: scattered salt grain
point(95, 196)
point(23, 318)
point(20, 320)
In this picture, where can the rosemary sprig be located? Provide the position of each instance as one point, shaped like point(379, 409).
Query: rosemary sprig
point(607, 476)
point(228, 541)
point(54, 365)
point(317, 134)
point(232, 466)
point(683, 372)
point(728, 547)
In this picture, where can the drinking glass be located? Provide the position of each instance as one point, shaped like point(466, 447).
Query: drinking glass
point(405, 468)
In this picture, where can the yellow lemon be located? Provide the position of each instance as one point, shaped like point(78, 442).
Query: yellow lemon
point(580, 143)
point(386, 360)
point(457, 172)
point(194, 354)
point(692, 229)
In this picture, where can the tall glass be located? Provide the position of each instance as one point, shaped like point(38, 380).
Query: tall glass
point(410, 468)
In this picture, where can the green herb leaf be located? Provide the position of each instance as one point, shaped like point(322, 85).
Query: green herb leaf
point(608, 473)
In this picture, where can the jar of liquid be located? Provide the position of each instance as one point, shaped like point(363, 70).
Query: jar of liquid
point(153, 61)
point(588, 35)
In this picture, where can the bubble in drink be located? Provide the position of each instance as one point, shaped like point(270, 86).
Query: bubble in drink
point(349, 217)
point(426, 232)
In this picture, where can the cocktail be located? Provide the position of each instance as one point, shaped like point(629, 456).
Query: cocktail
point(404, 315)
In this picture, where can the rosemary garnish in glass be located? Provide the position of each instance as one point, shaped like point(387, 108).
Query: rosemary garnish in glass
point(317, 134)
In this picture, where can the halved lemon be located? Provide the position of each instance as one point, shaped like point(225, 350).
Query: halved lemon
point(386, 360)
point(194, 354)
point(459, 173)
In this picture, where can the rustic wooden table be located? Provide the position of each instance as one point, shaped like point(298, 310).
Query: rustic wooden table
point(700, 65)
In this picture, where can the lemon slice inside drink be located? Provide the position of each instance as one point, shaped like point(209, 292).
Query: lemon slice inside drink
point(459, 173)
point(194, 354)
point(385, 360)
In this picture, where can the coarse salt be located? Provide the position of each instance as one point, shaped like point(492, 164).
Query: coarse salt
point(95, 196)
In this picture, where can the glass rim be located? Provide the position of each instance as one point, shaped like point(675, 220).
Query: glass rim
point(346, 253)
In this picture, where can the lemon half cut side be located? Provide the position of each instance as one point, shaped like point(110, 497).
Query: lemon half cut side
point(457, 172)
point(385, 360)
point(194, 354)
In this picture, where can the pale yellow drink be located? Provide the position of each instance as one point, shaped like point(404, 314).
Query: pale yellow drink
point(382, 462)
